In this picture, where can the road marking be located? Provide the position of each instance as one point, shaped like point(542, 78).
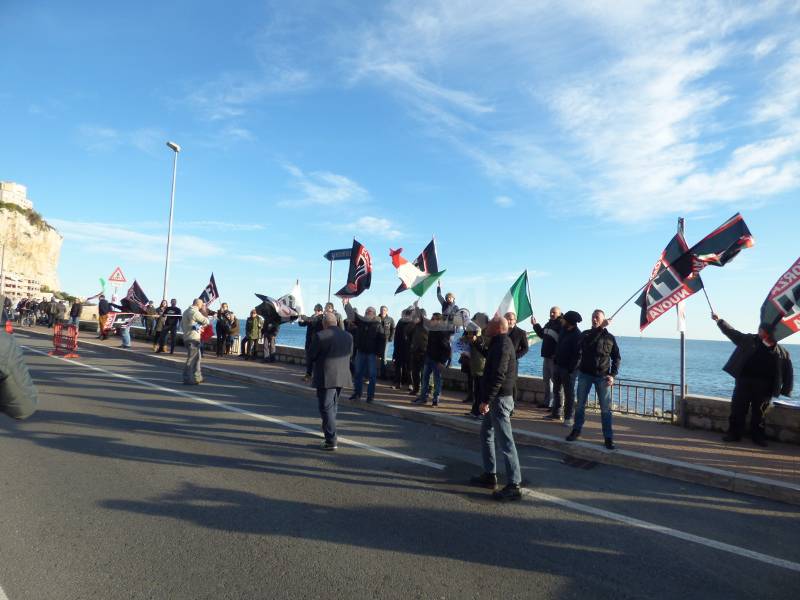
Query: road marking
point(681, 535)
point(255, 415)
point(569, 504)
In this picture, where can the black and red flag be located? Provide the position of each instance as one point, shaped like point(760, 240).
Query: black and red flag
point(426, 262)
point(210, 292)
point(781, 309)
point(359, 277)
point(135, 300)
point(676, 275)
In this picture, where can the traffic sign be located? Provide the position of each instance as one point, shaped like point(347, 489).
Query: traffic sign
point(117, 276)
point(342, 254)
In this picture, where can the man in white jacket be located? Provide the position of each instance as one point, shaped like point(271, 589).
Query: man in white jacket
point(192, 322)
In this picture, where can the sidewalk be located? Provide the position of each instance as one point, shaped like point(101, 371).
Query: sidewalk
point(642, 444)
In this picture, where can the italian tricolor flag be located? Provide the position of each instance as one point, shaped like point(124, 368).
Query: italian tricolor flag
point(517, 300)
point(416, 280)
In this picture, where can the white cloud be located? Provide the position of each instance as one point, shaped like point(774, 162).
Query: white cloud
point(765, 47)
point(231, 95)
point(99, 139)
point(324, 188)
point(504, 201)
point(369, 226)
point(123, 241)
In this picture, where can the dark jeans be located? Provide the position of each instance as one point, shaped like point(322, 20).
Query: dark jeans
point(402, 372)
point(475, 384)
point(417, 363)
point(328, 399)
point(310, 363)
point(382, 362)
point(563, 386)
point(172, 332)
point(221, 336)
point(366, 366)
point(249, 347)
point(752, 394)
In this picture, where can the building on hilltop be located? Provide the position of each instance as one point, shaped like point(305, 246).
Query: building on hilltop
point(14, 193)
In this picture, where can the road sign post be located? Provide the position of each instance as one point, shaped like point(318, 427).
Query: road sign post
point(332, 255)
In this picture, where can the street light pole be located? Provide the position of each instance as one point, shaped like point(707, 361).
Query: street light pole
point(176, 149)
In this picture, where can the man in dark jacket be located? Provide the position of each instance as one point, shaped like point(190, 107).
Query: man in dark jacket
point(448, 302)
point(549, 336)
point(330, 354)
point(401, 351)
point(762, 370)
point(437, 357)
point(387, 323)
point(565, 365)
point(313, 325)
point(173, 316)
point(599, 365)
point(417, 345)
point(367, 340)
point(499, 378)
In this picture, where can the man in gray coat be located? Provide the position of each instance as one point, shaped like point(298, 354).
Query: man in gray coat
point(330, 353)
point(192, 322)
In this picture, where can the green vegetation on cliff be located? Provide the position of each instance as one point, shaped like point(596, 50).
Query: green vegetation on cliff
point(34, 218)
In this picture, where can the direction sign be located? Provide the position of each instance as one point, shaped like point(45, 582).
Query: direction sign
point(117, 276)
point(343, 254)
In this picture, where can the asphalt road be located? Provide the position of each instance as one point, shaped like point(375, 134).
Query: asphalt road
point(135, 486)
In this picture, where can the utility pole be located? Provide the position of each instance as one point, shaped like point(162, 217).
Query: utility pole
point(682, 328)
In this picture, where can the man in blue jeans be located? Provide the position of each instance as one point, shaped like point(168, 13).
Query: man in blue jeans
point(368, 340)
point(497, 404)
point(437, 356)
point(600, 360)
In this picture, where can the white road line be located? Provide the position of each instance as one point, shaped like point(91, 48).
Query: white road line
point(231, 408)
point(681, 535)
point(576, 506)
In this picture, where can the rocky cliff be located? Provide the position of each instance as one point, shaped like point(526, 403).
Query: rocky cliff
point(32, 247)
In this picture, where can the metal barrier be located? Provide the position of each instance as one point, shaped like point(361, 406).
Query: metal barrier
point(65, 341)
point(654, 399)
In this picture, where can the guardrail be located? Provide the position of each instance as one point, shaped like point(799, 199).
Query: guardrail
point(654, 399)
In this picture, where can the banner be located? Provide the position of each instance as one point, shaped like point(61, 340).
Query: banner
point(210, 292)
point(359, 277)
point(781, 309)
point(282, 310)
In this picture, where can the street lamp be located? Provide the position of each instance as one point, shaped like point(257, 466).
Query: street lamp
point(175, 148)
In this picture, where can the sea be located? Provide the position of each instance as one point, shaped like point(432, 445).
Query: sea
point(643, 359)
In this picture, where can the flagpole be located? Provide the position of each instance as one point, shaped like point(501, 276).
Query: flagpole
point(330, 278)
point(682, 397)
point(707, 300)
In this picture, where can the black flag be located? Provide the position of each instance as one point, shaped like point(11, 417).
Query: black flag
point(359, 277)
point(210, 293)
point(781, 309)
point(135, 300)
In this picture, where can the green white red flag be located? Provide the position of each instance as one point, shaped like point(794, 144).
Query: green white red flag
point(413, 278)
point(517, 299)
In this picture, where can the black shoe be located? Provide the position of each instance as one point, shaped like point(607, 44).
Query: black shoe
point(370, 399)
point(551, 417)
point(466, 401)
point(729, 437)
point(329, 446)
point(573, 435)
point(413, 392)
point(485, 480)
point(760, 441)
point(610, 444)
point(420, 401)
point(508, 493)
point(435, 402)
point(354, 398)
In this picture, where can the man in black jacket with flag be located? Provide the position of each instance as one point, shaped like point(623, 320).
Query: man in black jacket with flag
point(763, 370)
point(368, 341)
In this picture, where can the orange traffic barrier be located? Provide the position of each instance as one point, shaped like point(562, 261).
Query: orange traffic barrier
point(9, 327)
point(65, 341)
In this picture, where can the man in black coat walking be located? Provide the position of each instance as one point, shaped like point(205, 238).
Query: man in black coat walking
point(330, 355)
point(763, 370)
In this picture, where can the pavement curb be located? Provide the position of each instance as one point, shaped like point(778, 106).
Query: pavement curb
point(654, 465)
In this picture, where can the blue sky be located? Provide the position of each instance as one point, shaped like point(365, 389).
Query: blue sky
point(524, 135)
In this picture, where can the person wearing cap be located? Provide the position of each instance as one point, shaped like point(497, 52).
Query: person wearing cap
point(313, 325)
point(565, 365)
point(549, 336)
point(763, 370)
point(448, 302)
point(598, 367)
